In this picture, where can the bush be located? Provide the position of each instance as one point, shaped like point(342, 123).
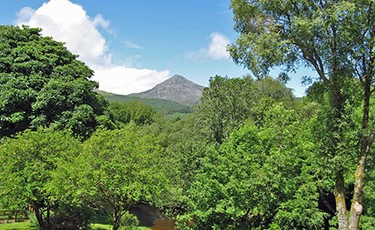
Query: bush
point(129, 221)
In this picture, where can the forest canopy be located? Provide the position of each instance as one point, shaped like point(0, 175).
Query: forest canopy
point(249, 156)
point(44, 85)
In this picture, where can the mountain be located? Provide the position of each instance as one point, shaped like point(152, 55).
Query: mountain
point(176, 88)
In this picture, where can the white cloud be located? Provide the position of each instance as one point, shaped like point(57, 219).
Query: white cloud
point(217, 48)
point(100, 21)
point(140, 80)
point(130, 61)
point(24, 14)
point(69, 23)
point(131, 45)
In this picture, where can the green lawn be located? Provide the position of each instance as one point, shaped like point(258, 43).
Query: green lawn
point(17, 226)
point(101, 226)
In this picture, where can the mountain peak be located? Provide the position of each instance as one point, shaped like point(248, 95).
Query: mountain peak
point(176, 88)
point(178, 77)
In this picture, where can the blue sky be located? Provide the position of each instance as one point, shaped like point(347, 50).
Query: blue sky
point(134, 44)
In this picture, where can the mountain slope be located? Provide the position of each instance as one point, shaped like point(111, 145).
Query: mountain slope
point(161, 105)
point(176, 88)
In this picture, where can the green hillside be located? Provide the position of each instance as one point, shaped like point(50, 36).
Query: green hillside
point(161, 105)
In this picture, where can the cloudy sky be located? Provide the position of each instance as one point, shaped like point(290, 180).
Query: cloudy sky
point(134, 44)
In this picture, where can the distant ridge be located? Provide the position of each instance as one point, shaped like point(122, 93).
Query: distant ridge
point(160, 105)
point(176, 88)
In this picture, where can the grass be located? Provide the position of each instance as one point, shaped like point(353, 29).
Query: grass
point(17, 226)
point(101, 226)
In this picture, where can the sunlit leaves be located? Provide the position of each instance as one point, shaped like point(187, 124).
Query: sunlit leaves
point(259, 177)
point(28, 163)
point(120, 168)
point(227, 103)
point(40, 80)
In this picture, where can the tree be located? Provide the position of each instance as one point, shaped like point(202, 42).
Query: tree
point(349, 147)
point(259, 178)
point(43, 84)
point(28, 163)
point(135, 111)
point(227, 103)
point(120, 168)
point(336, 39)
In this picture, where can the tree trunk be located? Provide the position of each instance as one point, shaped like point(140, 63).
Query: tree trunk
point(340, 201)
point(48, 219)
point(356, 204)
point(337, 105)
point(116, 218)
point(40, 219)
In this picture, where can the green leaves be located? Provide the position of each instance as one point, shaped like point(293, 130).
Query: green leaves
point(135, 111)
point(28, 163)
point(120, 168)
point(335, 38)
point(260, 177)
point(40, 82)
point(227, 103)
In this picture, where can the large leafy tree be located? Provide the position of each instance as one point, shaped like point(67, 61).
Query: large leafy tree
point(259, 178)
point(28, 163)
point(120, 168)
point(135, 111)
point(336, 39)
point(42, 83)
point(349, 147)
point(227, 103)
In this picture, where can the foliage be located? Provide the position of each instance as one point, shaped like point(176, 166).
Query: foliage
point(160, 105)
point(28, 163)
point(135, 111)
point(286, 33)
point(249, 157)
point(120, 168)
point(336, 39)
point(129, 221)
point(350, 128)
point(259, 178)
point(349, 146)
point(42, 83)
point(227, 103)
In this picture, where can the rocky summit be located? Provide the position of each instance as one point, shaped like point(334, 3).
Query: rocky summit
point(176, 88)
